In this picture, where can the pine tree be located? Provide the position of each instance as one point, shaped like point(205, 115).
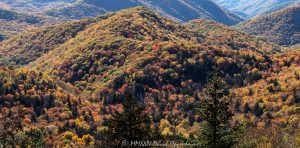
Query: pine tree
point(247, 108)
point(35, 138)
point(130, 125)
point(216, 115)
point(257, 110)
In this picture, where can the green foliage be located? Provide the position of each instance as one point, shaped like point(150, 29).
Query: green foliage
point(34, 138)
point(130, 125)
point(216, 115)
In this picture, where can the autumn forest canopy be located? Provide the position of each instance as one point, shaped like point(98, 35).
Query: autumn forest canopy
point(93, 74)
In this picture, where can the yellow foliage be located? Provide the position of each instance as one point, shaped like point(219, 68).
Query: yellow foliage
point(68, 135)
point(167, 131)
point(87, 140)
point(164, 124)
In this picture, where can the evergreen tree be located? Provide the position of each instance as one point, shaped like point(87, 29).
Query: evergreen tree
point(35, 138)
point(257, 110)
point(247, 108)
point(74, 110)
point(216, 115)
point(33, 118)
point(130, 125)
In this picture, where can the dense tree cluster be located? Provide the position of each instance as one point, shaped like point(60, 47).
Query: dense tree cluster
point(29, 98)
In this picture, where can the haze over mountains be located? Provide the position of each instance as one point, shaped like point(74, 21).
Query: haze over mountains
point(33, 6)
point(176, 9)
point(252, 8)
point(180, 11)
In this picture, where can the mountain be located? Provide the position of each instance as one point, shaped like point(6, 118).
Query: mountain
point(12, 22)
point(282, 27)
point(255, 7)
point(279, 7)
point(223, 33)
point(98, 57)
point(33, 6)
point(72, 76)
point(27, 47)
point(178, 10)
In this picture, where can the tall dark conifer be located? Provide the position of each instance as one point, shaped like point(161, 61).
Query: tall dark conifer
point(130, 125)
point(216, 114)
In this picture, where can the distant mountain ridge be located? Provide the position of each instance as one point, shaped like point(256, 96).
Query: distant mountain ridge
point(10, 16)
point(34, 6)
point(179, 10)
point(12, 22)
point(282, 27)
point(255, 7)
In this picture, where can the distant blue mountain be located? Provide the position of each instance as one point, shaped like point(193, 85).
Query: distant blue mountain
point(179, 10)
point(255, 7)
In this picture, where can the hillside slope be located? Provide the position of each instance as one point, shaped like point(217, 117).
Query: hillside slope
point(223, 33)
point(279, 7)
point(177, 10)
point(282, 27)
point(255, 7)
point(154, 51)
point(110, 35)
point(12, 22)
point(27, 47)
point(166, 66)
point(278, 95)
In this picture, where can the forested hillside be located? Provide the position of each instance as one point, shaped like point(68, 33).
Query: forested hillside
point(282, 27)
point(73, 81)
point(31, 45)
point(45, 106)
